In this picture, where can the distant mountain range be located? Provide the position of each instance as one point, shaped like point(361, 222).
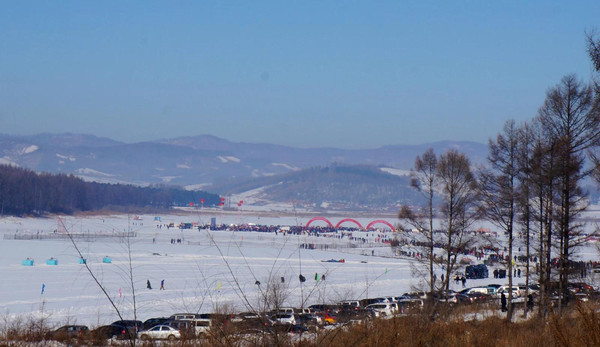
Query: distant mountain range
point(222, 166)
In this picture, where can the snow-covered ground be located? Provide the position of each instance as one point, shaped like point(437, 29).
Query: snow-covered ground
point(204, 271)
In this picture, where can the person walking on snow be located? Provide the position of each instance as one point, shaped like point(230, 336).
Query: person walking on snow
point(162, 285)
point(148, 285)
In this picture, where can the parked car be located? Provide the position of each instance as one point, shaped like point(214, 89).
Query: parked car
point(410, 305)
point(348, 313)
point(107, 332)
point(516, 292)
point(333, 309)
point(284, 319)
point(350, 303)
point(149, 323)
point(297, 329)
point(381, 309)
point(180, 316)
point(382, 299)
point(481, 290)
point(160, 332)
point(129, 323)
point(250, 321)
point(69, 332)
point(192, 326)
point(580, 287)
point(476, 271)
point(582, 297)
point(414, 295)
point(304, 310)
point(286, 310)
point(328, 318)
point(449, 298)
point(243, 316)
point(492, 288)
point(308, 319)
point(463, 298)
point(131, 327)
point(477, 297)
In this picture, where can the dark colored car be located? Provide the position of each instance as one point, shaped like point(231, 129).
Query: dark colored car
point(307, 318)
point(135, 324)
point(297, 329)
point(127, 329)
point(149, 323)
point(325, 308)
point(348, 313)
point(463, 298)
point(476, 271)
point(106, 332)
point(69, 332)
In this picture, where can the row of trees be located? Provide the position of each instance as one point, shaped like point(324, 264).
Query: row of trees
point(532, 187)
point(24, 192)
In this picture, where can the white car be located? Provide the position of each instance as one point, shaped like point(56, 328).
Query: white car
point(284, 318)
point(160, 332)
point(516, 292)
point(382, 309)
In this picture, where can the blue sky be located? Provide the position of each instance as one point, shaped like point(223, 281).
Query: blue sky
point(349, 74)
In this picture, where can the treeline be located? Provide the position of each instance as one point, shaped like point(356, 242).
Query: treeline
point(532, 189)
point(351, 185)
point(354, 186)
point(24, 192)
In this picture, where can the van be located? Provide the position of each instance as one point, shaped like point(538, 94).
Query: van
point(476, 271)
point(304, 310)
point(285, 310)
point(182, 316)
point(410, 305)
point(197, 326)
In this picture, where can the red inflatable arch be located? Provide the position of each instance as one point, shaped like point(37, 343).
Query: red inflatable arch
point(321, 219)
point(348, 220)
point(382, 222)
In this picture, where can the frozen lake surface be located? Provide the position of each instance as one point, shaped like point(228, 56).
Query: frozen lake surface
point(208, 269)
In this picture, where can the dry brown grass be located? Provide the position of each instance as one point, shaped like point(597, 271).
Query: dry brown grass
point(578, 327)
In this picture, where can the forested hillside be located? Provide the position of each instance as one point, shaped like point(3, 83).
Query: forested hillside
point(24, 192)
point(352, 186)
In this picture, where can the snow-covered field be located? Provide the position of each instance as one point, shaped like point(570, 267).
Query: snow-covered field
point(204, 271)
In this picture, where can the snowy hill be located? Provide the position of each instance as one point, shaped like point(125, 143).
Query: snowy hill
point(198, 160)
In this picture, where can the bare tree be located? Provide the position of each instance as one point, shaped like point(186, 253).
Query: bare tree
point(424, 180)
point(459, 206)
point(499, 190)
point(541, 164)
point(571, 119)
point(525, 195)
point(132, 340)
point(593, 48)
